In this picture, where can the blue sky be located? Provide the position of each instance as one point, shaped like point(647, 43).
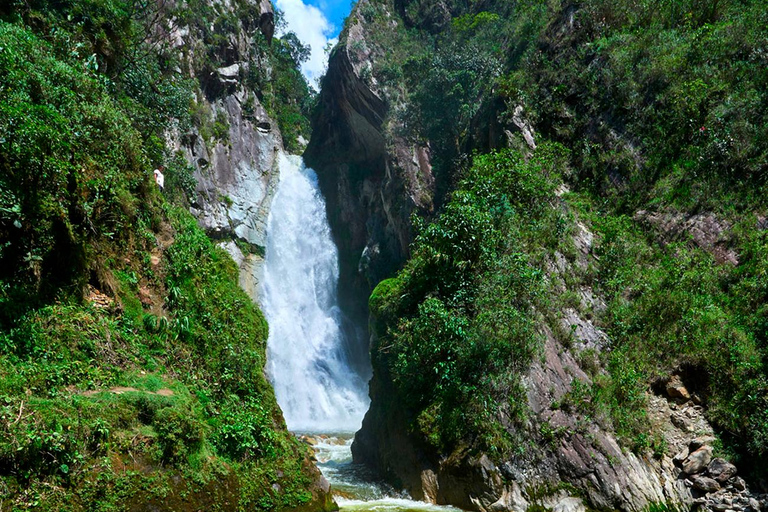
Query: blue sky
point(334, 10)
point(316, 23)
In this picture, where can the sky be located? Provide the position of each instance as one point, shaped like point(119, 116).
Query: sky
point(316, 23)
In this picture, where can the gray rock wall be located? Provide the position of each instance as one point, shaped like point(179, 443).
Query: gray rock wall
point(372, 179)
point(236, 177)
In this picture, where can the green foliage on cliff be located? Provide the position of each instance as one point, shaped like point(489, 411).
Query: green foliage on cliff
point(662, 107)
point(131, 363)
point(270, 70)
point(457, 328)
point(675, 306)
point(667, 103)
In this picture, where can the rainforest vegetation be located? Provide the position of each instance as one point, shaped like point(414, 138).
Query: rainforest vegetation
point(639, 107)
point(131, 363)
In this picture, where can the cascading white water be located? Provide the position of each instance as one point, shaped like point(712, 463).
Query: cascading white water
point(308, 349)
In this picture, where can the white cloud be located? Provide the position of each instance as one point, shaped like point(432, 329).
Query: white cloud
point(313, 29)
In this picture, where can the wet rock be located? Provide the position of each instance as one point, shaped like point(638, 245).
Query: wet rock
point(739, 484)
point(697, 461)
point(754, 504)
point(721, 470)
point(308, 440)
point(705, 484)
point(324, 484)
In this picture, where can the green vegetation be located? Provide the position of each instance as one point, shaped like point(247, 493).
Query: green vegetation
point(674, 306)
point(458, 327)
point(662, 107)
point(270, 70)
point(131, 363)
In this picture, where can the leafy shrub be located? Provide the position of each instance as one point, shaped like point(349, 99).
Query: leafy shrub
point(245, 430)
point(179, 433)
point(457, 327)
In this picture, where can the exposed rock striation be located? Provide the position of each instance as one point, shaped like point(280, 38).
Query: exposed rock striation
point(236, 174)
point(372, 181)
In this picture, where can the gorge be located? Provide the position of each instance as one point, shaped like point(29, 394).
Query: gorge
point(523, 269)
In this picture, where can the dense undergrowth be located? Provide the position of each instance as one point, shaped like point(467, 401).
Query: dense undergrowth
point(662, 107)
point(131, 363)
point(458, 326)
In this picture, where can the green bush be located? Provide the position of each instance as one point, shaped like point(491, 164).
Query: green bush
point(180, 433)
point(457, 327)
point(245, 430)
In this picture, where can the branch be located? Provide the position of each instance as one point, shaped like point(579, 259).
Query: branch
point(21, 409)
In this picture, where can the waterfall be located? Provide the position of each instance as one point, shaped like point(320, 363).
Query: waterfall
point(309, 345)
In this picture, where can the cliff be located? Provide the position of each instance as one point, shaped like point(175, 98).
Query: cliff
point(372, 179)
point(132, 363)
point(490, 401)
point(235, 168)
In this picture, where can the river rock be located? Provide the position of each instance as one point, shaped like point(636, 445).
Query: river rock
point(739, 484)
point(697, 461)
point(705, 484)
point(721, 470)
point(754, 504)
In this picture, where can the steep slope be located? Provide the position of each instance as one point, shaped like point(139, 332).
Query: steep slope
point(373, 180)
point(131, 362)
point(650, 255)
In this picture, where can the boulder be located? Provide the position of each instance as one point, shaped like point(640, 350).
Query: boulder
point(721, 470)
point(680, 457)
point(698, 461)
point(676, 389)
point(705, 484)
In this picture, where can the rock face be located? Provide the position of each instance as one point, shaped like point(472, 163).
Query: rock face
point(373, 180)
point(372, 183)
point(564, 445)
point(705, 230)
point(236, 174)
